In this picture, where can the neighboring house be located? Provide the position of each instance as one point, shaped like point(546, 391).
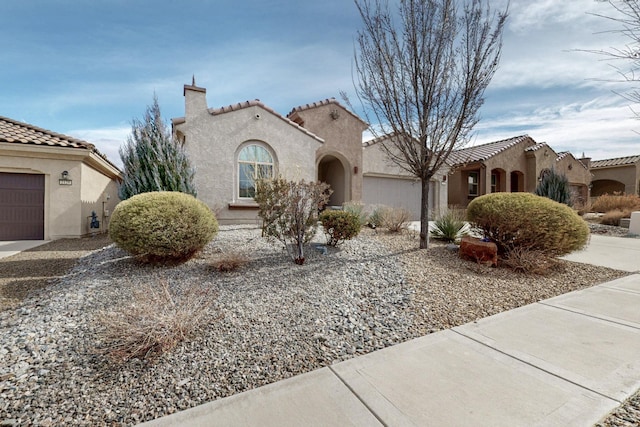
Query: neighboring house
point(231, 147)
point(511, 165)
point(621, 174)
point(51, 183)
point(387, 183)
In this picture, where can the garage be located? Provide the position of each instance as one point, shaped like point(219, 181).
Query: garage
point(21, 206)
point(397, 193)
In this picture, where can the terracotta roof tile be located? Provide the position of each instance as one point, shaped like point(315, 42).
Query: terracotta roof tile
point(618, 161)
point(16, 132)
point(536, 147)
point(485, 151)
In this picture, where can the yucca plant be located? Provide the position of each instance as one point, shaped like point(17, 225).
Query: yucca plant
point(450, 226)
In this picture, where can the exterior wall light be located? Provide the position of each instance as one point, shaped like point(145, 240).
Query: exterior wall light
point(64, 179)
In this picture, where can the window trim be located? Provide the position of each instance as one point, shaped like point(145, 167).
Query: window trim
point(475, 175)
point(256, 165)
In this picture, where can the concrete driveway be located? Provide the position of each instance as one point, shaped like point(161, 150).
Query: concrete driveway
point(8, 248)
point(620, 253)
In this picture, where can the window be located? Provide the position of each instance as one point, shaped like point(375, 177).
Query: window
point(254, 162)
point(473, 184)
point(494, 182)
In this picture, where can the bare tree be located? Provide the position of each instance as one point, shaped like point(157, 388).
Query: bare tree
point(627, 17)
point(421, 79)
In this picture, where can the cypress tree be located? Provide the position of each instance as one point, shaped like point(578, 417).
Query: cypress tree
point(152, 160)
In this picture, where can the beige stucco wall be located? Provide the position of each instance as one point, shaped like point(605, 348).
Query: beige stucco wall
point(629, 175)
point(214, 141)
point(342, 135)
point(63, 207)
point(99, 193)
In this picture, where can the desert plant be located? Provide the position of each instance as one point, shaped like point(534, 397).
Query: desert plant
point(450, 226)
point(528, 221)
point(340, 226)
point(616, 201)
point(375, 218)
point(231, 261)
point(289, 212)
point(527, 261)
point(613, 217)
point(555, 186)
point(162, 226)
point(357, 208)
point(395, 219)
point(156, 320)
point(152, 160)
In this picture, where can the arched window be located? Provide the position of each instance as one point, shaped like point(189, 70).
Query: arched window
point(254, 162)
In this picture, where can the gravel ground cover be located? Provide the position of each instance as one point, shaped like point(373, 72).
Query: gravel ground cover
point(270, 320)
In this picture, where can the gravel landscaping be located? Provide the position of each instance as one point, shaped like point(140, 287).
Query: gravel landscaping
point(269, 320)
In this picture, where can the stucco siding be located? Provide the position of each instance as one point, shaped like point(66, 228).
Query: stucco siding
point(628, 175)
point(213, 143)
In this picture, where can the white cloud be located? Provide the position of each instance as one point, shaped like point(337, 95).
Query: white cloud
point(106, 140)
point(601, 128)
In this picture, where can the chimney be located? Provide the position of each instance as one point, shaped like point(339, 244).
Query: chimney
point(195, 100)
point(586, 161)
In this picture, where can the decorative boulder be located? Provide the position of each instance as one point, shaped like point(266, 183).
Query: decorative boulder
point(479, 251)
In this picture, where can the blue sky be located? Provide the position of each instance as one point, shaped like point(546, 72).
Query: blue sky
point(86, 68)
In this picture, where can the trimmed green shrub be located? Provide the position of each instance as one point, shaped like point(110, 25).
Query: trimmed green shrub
point(162, 226)
point(450, 227)
point(340, 226)
point(528, 221)
point(555, 186)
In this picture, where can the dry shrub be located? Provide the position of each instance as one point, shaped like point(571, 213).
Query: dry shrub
point(395, 219)
point(528, 261)
point(230, 262)
point(613, 217)
point(157, 319)
point(616, 201)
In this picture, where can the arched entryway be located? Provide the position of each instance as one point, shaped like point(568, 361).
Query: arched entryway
point(333, 171)
point(606, 186)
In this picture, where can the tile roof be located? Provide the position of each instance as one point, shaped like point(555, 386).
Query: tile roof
point(22, 133)
point(317, 104)
point(563, 154)
point(483, 152)
point(618, 161)
point(246, 104)
point(536, 147)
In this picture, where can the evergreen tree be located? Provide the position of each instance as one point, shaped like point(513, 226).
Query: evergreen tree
point(555, 186)
point(152, 160)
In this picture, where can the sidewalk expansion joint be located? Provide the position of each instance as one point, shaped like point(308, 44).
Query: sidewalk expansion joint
point(369, 408)
point(602, 318)
point(539, 368)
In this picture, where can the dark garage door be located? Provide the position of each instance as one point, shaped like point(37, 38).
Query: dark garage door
point(21, 206)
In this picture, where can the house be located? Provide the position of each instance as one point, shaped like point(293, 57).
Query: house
point(232, 146)
point(51, 183)
point(386, 183)
point(621, 174)
point(511, 165)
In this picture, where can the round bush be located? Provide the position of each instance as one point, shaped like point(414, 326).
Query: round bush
point(162, 225)
point(340, 225)
point(528, 221)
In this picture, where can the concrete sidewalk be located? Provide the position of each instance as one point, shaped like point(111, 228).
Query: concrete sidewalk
point(566, 361)
point(8, 249)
